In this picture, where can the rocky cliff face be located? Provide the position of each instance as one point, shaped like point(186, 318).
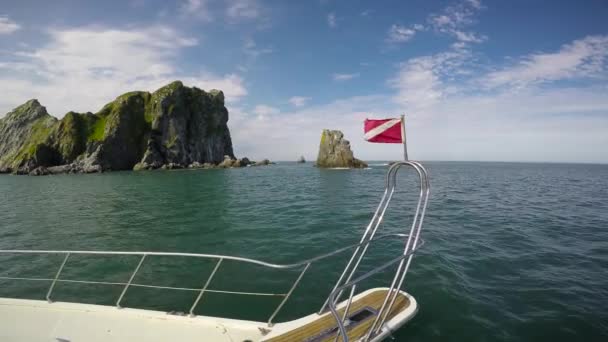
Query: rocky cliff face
point(175, 125)
point(334, 151)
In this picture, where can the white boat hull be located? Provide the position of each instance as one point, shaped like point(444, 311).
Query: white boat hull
point(40, 321)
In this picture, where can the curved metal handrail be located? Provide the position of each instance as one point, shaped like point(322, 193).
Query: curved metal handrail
point(202, 255)
point(412, 244)
point(333, 306)
point(391, 181)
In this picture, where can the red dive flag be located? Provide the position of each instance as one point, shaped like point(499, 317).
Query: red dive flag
point(387, 131)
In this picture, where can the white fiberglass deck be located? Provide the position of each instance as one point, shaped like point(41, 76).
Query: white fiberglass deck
point(40, 321)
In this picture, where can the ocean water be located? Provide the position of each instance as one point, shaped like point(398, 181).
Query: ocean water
point(514, 251)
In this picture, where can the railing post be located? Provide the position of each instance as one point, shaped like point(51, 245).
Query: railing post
point(124, 290)
point(200, 294)
point(293, 287)
point(48, 294)
point(350, 300)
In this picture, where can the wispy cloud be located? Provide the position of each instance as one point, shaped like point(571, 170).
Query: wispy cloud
point(243, 9)
point(454, 19)
point(84, 67)
point(252, 50)
point(196, 8)
point(452, 128)
point(401, 34)
point(344, 77)
point(457, 110)
point(301, 128)
point(8, 26)
point(331, 20)
point(263, 111)
point(421, 81)
point(583, 58)
point(475, 3)
point(299, 101)
point(232, 11)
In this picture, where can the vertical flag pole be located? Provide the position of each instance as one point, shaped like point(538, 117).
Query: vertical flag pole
point(403, 137)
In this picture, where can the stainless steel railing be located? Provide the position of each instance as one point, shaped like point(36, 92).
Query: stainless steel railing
point(303, 265)
point(412, 243)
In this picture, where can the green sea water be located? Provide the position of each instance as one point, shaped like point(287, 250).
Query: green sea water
point(514, 252)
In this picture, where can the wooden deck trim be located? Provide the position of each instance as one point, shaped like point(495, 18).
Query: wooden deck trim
point(326, 321)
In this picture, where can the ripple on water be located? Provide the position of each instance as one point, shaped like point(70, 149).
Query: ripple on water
point(514, 252)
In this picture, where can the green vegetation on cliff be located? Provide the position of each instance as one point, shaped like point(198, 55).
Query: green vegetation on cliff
point(39, 133)
point(175, 124)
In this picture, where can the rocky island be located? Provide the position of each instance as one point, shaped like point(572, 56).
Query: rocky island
point(173, 127)
point(335, 152)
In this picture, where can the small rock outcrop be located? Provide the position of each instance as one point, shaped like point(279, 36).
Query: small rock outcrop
point(173, 127)
point(334, 152)
point(227, 162)
point(262, 162)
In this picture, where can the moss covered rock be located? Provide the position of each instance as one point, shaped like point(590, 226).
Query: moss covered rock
point(23, 133)
point(335, 152)
point(175, 125)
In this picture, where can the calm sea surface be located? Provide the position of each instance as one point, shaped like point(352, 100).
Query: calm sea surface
point(514, 252)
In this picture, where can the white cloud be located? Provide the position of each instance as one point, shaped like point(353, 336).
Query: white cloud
point(533, 125)
point(243, 9)
point(421, 81)
point(417, 84)
point(252, 50)
point(331, 20)
point(453, 115)
point(196, 8)
point(297, 132)
point(585, 57)
point(8, 26)
point(83, 68)
point(299, 101)
point(468, 37)
point(453, 19)
point(232, 11)
point(475, 3)
point(536, 125)
point(263, 111)
point(344, 77)
point(400, 34)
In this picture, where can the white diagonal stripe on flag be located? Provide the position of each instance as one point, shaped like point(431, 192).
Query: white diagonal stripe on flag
point(379, 129)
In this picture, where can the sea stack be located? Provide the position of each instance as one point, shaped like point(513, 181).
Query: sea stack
point(173, 127)
point(334, 152)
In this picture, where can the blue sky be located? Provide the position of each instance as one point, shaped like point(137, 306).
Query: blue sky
point(477, 80)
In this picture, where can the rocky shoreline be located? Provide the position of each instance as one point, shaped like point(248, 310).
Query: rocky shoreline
point(172, 128)
point(175, 127)
point(75, 168)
